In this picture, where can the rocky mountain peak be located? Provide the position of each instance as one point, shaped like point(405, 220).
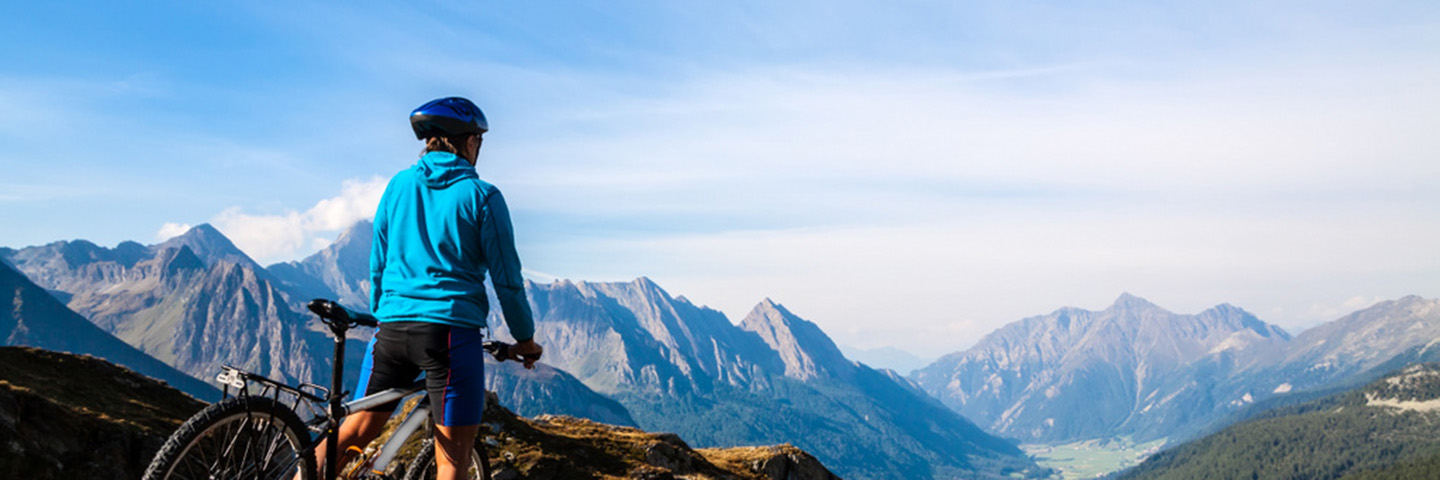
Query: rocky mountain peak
point(805, 349)
point(340, 271)
point(210, 245)
point(128, 253)
point(1230, 314)
point(81, 252)
point(1128, 301)
point(360, 229)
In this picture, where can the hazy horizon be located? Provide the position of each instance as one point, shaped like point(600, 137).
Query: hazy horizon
point(913, 175)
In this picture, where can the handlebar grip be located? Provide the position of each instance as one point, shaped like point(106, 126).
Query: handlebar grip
point(499, 350)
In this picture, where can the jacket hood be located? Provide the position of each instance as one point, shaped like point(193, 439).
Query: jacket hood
point(441, 169)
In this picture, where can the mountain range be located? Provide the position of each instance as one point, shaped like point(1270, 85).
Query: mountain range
point(1138, 370)
point(624, 353)
point(687, 369)
point(34, 318)
point(629, 353)
point(194, 302)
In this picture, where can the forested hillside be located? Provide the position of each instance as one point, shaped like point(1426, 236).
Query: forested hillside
point(1388, 429)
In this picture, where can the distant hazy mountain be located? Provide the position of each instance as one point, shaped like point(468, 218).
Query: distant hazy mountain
point(774, 378)
point(194, 302)
point(1131, 369)
point(339, 272)
point(1345, 347)
point(1386, 429)
point(1135, 369)
point(36, 319)
point(892, 358)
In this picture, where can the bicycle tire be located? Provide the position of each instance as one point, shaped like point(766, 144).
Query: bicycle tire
point(239, 437)
point(422, 467)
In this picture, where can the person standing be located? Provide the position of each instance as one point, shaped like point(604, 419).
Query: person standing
point(438, 231)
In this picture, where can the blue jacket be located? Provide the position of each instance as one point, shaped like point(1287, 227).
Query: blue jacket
point(438, 230)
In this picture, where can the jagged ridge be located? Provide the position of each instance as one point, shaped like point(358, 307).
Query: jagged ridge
point(1076, 374)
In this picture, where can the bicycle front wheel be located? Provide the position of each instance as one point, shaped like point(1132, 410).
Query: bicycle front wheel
point(423, 466)
point(239, 437)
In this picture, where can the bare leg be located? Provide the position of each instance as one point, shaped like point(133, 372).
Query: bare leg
point(357, 430)
point(452, 450)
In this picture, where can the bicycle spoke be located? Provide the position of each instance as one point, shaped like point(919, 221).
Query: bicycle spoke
point(279, 445)
point(225, 451)
point(256, 434)
point(236, 439)
point(242, 449)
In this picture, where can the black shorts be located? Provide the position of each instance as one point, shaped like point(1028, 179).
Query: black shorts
point(452, 358)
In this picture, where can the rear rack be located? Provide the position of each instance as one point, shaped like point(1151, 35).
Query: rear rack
point(242, 382)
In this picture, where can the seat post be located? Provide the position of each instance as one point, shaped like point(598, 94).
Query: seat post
point(337, 396)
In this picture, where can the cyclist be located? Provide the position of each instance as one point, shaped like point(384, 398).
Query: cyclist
point(438, 231)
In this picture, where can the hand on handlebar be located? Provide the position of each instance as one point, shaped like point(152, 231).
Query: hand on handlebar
point(527, 351)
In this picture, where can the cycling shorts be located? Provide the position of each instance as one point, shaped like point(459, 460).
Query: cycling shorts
point(452, 359)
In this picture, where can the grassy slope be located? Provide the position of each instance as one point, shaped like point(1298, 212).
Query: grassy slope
point(71, 416)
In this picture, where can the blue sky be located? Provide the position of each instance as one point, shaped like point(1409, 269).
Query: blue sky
point(912, 174)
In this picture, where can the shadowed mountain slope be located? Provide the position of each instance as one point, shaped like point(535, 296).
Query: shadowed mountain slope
point(32, 317)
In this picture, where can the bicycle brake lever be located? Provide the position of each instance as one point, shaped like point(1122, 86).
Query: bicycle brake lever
point(499, 350)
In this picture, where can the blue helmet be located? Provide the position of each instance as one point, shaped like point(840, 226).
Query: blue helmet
point(448, 117)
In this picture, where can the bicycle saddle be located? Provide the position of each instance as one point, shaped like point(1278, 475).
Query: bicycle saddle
point(334, 312)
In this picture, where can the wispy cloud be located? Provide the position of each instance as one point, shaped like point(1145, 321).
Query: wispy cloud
point(171, 230)
point(292, 234)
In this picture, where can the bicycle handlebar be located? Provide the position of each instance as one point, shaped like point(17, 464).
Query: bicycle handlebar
point(336, 314)
point(501, 352)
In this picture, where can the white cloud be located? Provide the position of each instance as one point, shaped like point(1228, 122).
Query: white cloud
point(286, 235)
point(357, 201)
point(171, 230)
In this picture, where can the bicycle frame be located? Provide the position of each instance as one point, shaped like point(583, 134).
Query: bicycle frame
point(325, 406)
point(321, 420)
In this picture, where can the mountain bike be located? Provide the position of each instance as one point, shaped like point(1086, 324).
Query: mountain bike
point(260, 434)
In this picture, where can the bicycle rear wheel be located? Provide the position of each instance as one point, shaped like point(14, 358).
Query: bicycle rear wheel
point(239, 437)
point(423, 466)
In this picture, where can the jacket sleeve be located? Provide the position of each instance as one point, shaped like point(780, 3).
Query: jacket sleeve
point(498, 240)
point(379, 239)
